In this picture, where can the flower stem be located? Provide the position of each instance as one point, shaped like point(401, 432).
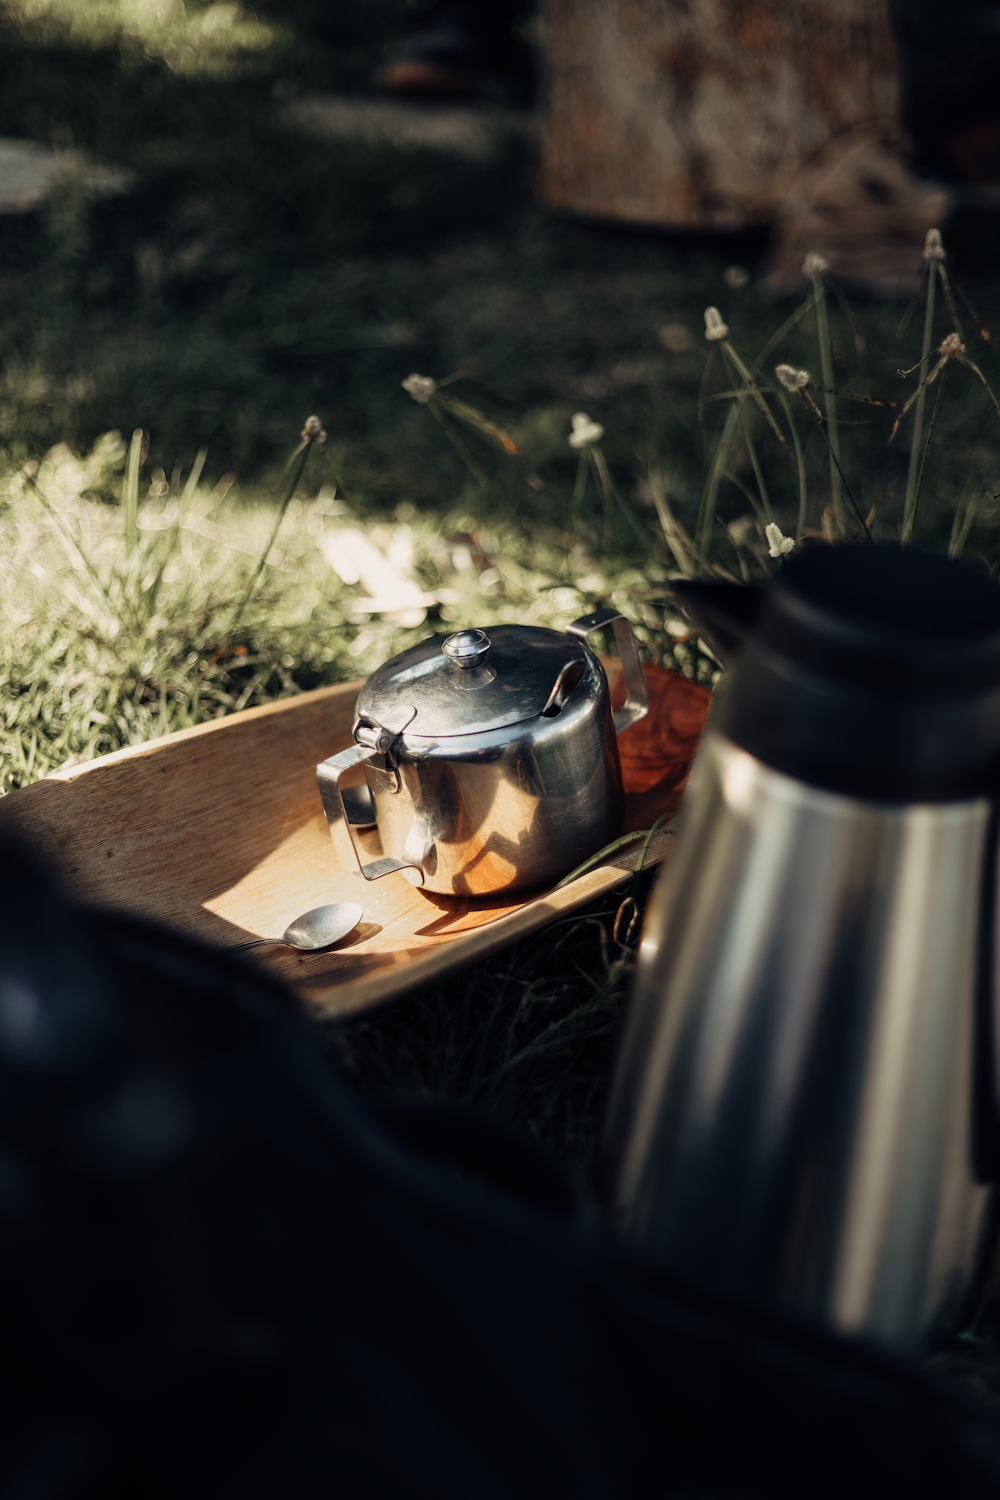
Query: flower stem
point(130, 494)
point(826, 364)
point(611, 495)
point(800, 461)
point(301, 453)
point(836, 462)
point(459, 446)
point(908, 534)
point(709, 495)
point(909, 504)
point(582, 470)
point(765, 499)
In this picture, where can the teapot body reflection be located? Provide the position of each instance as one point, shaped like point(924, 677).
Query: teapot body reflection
point(491, 760)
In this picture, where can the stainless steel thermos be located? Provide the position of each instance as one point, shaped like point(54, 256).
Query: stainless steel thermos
point(805, 1105)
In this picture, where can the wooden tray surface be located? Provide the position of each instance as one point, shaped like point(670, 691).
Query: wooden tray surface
point(219, 831)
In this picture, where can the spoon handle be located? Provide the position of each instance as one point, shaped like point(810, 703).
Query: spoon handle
point(256, 943)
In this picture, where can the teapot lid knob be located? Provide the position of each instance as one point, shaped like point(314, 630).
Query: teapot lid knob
point(467, 648)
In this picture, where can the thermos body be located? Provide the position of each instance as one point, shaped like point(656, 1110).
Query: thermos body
point(795, 1112)
point(805, 1105)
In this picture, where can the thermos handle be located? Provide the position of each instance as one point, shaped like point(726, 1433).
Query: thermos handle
point(328, 774)
point(636, 693)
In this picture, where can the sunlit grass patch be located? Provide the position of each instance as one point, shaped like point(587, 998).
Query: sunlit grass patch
point(209, 39)
point(133, 603)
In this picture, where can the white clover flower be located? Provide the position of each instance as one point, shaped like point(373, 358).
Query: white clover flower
point(584, 431)
point(815, 264)
point(313, 431)
point(952, 347)
point(736, 277)
point(715, 329)
point(777, 544)
point(420, 387)
point(791, 378)
point(933, 248)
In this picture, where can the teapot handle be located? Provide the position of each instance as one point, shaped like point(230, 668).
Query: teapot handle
point(636, 693)
point(328, 774)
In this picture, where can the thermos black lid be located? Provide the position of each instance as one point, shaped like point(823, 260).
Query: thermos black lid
point(873, 671)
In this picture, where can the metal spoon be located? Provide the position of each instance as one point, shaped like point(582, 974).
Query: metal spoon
point(314, 929)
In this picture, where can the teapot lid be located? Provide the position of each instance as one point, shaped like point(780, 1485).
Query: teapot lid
point(470, 682)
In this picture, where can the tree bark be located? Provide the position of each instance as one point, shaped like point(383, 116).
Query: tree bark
point(700, 114)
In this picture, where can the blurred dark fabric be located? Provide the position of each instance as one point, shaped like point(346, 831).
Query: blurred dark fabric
point(221, 1276)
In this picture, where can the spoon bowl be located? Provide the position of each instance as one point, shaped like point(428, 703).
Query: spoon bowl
point(314, 929)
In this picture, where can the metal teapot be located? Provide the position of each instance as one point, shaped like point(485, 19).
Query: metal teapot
point(805, 1107)
point(491, 759)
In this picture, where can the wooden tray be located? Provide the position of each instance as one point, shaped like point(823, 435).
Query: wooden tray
point(219, 830)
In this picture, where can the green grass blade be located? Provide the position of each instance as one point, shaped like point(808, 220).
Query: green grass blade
point(908, 535)
point(301, 453)
point(919, 393)
point(826, 364)
point(475, 419)
point(677, 538)
point(654, 830)
point(843, 479)
point(949, 299)
point(977, 371)
point(458, 445)
point(800, 463)
point(130, 493)
point(154, 589)
point(601, 855)
point(765, 499)
point(582, 470)
point(706, 372)
point(961, 528)
point(187, 494)
point(790, 322)
point(610, 492)
point(719, 464)
point(916, 443)
point(754, 391)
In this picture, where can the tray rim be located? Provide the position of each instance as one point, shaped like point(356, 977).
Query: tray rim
point(466, 949)
point(25, 810)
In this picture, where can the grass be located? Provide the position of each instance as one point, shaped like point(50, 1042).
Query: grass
point(135, 603)
point(528, 1037)
point(254, 276)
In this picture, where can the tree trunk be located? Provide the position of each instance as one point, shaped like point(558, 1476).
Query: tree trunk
point(700, 114)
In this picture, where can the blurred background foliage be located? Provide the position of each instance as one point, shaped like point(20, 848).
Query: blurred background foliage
point(256, 273)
